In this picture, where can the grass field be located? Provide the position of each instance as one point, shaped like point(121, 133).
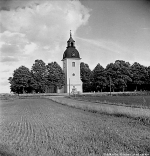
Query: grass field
point(41, 127)
point(139, 101)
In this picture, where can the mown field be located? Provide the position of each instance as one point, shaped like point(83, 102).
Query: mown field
point(129, 100)
point(41, 127)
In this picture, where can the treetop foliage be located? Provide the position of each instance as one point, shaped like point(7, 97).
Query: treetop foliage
point(55, 75)
point(120, 76)
point(40, 77)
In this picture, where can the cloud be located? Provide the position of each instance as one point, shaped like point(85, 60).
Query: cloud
point(37, 30)
point(9, 49)
point(103, 51)
point(4, 83)
point(7, 70)
point(44, 22)
point(107, 45)
point(13, 4)
point(30, 48)
point(9, 59)
point(14, 38)
point(12, 43)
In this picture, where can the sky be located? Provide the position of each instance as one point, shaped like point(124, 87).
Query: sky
point(103, 30)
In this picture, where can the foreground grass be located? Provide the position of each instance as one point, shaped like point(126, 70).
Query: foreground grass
point(40, 127)
point(105, 108)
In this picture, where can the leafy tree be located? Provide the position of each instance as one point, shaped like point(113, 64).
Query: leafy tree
point(123, 74)
point(120, 74)
point(19, 83)
point(39, 73)
point(99, 78)
point(148, 78)
point(86, 77)
point(111, 75)
point(55, 75)
point(139, 75)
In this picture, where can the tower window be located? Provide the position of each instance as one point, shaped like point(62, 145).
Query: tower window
point(73, 64)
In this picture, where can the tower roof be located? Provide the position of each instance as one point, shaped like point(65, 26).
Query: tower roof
point(70, 39)
point(71, 51)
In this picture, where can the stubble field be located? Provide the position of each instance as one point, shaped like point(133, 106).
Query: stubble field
point(41, 127)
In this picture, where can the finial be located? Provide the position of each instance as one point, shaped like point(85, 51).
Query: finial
point(70, 34)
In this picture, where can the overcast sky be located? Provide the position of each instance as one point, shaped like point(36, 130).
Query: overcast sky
point(104, 31)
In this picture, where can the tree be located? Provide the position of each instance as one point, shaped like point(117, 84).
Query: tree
point(139, 75)
point(39, 73)
point(111, 76)
point(120, 74)
point(86, 76)
point(55, 75)
point(124, 74)
point(99, 78)
point(148, 78)
point(19, 83)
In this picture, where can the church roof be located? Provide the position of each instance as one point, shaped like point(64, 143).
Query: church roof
point(71, 51)
point(70, 39)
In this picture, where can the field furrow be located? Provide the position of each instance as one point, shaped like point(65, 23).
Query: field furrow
point(14, 127)
point(40, 127)
point(20, 135)
point(24, 142)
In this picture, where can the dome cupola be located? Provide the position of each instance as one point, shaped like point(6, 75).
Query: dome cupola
point(70, 42)
point(71, 51)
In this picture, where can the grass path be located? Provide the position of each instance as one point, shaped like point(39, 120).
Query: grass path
point(135, 101)
point(41, 127)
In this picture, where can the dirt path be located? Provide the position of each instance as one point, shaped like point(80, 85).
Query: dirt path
point(41, 127)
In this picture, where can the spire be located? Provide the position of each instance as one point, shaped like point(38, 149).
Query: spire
point(70, 34)
point(70, 42)
point(71, 39)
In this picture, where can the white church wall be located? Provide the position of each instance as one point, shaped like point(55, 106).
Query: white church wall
point(65, 71)
point(73, 74)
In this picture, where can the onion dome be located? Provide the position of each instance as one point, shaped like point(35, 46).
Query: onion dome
point(71, 51)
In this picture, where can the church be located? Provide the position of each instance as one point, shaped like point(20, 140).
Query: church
point(71, 67)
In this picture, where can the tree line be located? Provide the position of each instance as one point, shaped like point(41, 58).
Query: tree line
point(38, 79)
point(118, 76)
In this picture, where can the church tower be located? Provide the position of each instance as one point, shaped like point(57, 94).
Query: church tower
point(71, 67)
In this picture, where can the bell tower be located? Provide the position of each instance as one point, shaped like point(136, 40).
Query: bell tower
point(71, 67)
